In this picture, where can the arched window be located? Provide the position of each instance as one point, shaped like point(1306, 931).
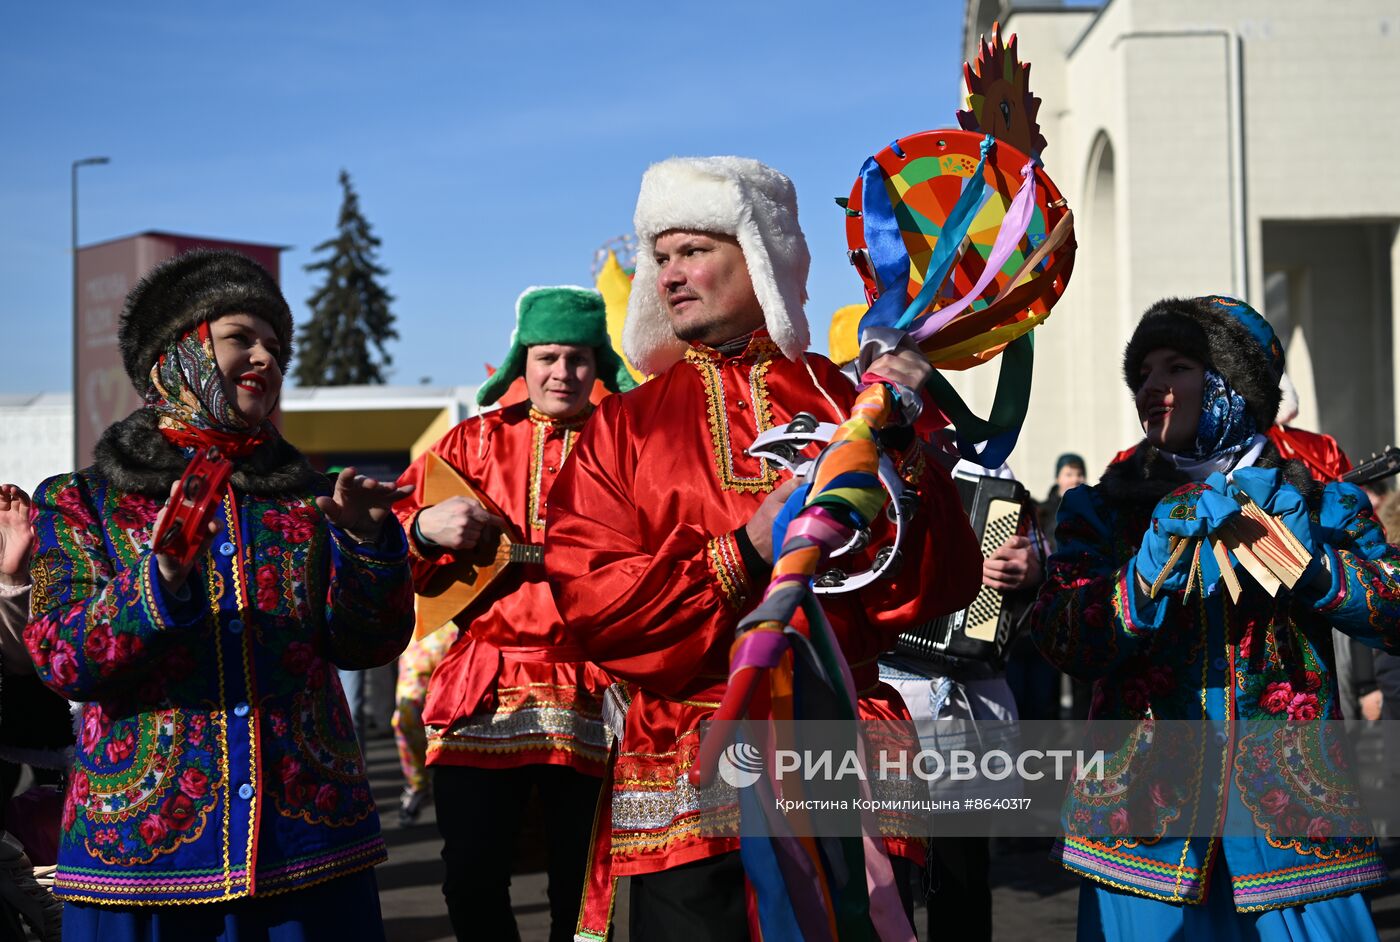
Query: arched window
point(1104, 322)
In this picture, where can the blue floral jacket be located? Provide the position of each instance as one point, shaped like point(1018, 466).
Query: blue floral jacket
point(1267, 780)
point(216, 756)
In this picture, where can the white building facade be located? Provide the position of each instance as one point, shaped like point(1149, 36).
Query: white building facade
point(1233, 146)
point(380, 427)
point(36, 437)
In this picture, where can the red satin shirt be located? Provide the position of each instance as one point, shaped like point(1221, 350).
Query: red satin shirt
point(1321, 453)
point(513, 689)
point(650, 582)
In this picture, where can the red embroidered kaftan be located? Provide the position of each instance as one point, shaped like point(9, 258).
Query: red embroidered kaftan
point(513, 690)
point(651, 584)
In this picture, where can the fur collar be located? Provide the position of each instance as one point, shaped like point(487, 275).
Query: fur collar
point(136, 458)
point(1136, 483)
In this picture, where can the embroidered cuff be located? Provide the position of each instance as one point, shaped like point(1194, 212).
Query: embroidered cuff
point(759, 570)
point(168, 609)
point(1140, 614)
point(391, 547)
point(420, 547)
point(726, 561)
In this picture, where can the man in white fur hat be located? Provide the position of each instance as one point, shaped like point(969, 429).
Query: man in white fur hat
point(660, 526)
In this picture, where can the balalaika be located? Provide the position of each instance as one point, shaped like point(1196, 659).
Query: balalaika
point(998, 509)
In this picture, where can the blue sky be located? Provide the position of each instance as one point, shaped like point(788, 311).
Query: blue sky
point(493, 146)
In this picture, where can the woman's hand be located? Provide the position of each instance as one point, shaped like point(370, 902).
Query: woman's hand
point(360, 505)
point(16, 536)
point(173, 572)
point(1192, 511)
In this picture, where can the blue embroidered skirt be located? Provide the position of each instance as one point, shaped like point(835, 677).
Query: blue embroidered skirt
point(1109, 915)
point(342, 909)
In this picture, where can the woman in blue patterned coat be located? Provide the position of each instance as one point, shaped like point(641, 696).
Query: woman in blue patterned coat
point(217, 763)
point(1243, 822)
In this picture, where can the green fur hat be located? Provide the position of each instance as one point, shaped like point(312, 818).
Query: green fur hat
point(562, 314)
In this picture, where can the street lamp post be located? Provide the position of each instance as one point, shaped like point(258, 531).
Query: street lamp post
point(85, 162)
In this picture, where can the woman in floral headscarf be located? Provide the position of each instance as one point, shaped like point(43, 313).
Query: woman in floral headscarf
point(1242, 822)
point(216, 762)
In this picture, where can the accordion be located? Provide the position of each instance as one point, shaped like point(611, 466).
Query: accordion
point(998, 509)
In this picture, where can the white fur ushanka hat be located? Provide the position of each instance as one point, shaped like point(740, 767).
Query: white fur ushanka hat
point(734, 196)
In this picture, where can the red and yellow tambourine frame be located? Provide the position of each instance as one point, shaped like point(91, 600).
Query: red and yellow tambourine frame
point(183, 529)
point(924, 175)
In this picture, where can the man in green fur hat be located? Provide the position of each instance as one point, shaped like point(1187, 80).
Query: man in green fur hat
point(550, 318)
point(511, 707)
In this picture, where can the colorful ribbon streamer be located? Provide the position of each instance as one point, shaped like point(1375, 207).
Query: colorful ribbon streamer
point(835, 889)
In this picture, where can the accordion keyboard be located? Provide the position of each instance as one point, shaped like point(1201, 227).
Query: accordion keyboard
point(1003, 516)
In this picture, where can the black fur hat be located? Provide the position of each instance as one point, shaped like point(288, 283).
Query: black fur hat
point(1227, 335)
point(199, 285)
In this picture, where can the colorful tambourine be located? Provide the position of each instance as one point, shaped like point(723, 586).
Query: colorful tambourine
point(184, 528)
point(923, 178)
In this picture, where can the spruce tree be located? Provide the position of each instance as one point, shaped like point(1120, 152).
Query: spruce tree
point(350, 312)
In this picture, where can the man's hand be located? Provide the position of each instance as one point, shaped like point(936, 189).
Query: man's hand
point(1015, 565)
point(16, 536)
point(1371, 705)
point(457, 523)
point(904, 367)
point(760, 525)
point(360, 505)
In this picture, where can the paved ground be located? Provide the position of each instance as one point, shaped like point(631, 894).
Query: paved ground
point(1034, 898)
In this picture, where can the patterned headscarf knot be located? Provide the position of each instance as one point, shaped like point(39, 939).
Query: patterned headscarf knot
point(187, 393)
point(1226, 425)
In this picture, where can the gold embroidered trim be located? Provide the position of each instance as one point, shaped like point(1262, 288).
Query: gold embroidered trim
point(1136, 891)
point(626, 843)
point(542, 427)
point(216, 591)
point(41, 582)
point(371, 856)
point(704, 360)
point(414, 550)
point(1284, 903)
point(244, 610)
point(722, 553)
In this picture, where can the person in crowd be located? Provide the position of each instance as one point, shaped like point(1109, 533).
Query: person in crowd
point(35, 731)
point(1319, 452)
point(945, 691)
point(513, 706)
point(660, 525)
point(1037, 685)
point(1276, 851)
point(217, 790)
point(1358, 695)
point(415, 672)
point(981, 696)
point(1070, 472)
point(1384, 701)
